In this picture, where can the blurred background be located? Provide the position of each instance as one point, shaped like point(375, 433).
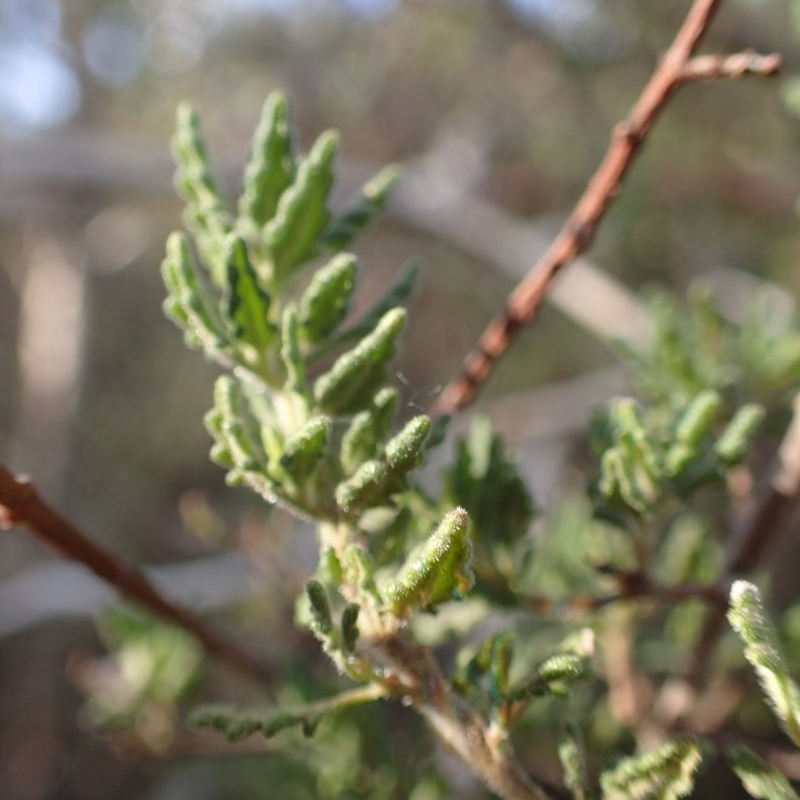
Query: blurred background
point(499, 110)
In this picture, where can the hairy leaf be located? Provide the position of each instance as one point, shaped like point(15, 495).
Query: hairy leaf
point(363, 209)
point(292, 235)
point(761, 780)
point(325, 302)
point(439, 571)
point(247, 303)
point(662, 774)
point(346, 386)
point(206, 215)
point(747, 617)
point(270, 169)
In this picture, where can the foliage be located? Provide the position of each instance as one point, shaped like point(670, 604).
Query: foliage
point(305, 417)
point(746, 615)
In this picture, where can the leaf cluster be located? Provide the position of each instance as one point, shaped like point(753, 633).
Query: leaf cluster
point(305, 416)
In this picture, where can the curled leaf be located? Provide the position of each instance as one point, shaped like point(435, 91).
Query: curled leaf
point(439, 571)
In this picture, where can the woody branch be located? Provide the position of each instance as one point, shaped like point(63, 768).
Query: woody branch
point(677, 67)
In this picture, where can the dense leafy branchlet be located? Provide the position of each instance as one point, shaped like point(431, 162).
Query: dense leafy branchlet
point(303, 415)
point(320, 439)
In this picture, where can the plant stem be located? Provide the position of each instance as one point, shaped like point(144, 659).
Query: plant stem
point(415, 677)
point(21, 506)
point(675, 68)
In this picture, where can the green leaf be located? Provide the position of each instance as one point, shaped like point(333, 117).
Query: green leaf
point(207, 215)
point(485, 481)
point(761, 780)
point(369, 203)
point(554, 676)
point(248, 304)
point(359, 570)
point(270, 169)
point(234, 425)
point(189, 303)
point(325, 302)
point(292, 236)
point(405, 450)
point(629, 465)
point(320, 608)
point(439, 571)
point(394, 296)
point(732, 445)
point(305, 448)
point(346, 386)
point(290, 351)
point(502, 650)
point(662, 774)
point(238, 724)
point(746, 616)
point(350, 627)
point(370, 484)
point(367, 429)
point(572, 754)
point(697, 420)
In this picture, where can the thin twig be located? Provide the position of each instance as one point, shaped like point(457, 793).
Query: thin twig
point(21, 506)
point(675, 68)
point(632, 587)
point(776, 506)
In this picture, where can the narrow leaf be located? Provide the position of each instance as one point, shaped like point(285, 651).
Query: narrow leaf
point(370, 484)
point(572, 754)
point(367, 429)
point(554, 676)
point(238, 724)
point(304, 448)
point(747, 617)
point(325, 302)
point(320, 608)
point(206, 214)
point(363, 209)
point(439, 571)
point(662, 774)
point(760, 779)
point(270, 169)
point(732, 444)
point(292, 236)
point(405, 450)
point(234, 426)
point(248, 304)
point(350, 627)
point(290, 350)
point(697, 420)
point(344, 386)
point(394, 296)
point(190, 304)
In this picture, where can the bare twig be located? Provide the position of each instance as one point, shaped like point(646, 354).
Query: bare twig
point(21, 506)
point(633, 586)
point(675, 68)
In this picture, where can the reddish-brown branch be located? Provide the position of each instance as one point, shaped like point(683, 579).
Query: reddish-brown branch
point(675, 68)
point(21, 506)
point(638, 587)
